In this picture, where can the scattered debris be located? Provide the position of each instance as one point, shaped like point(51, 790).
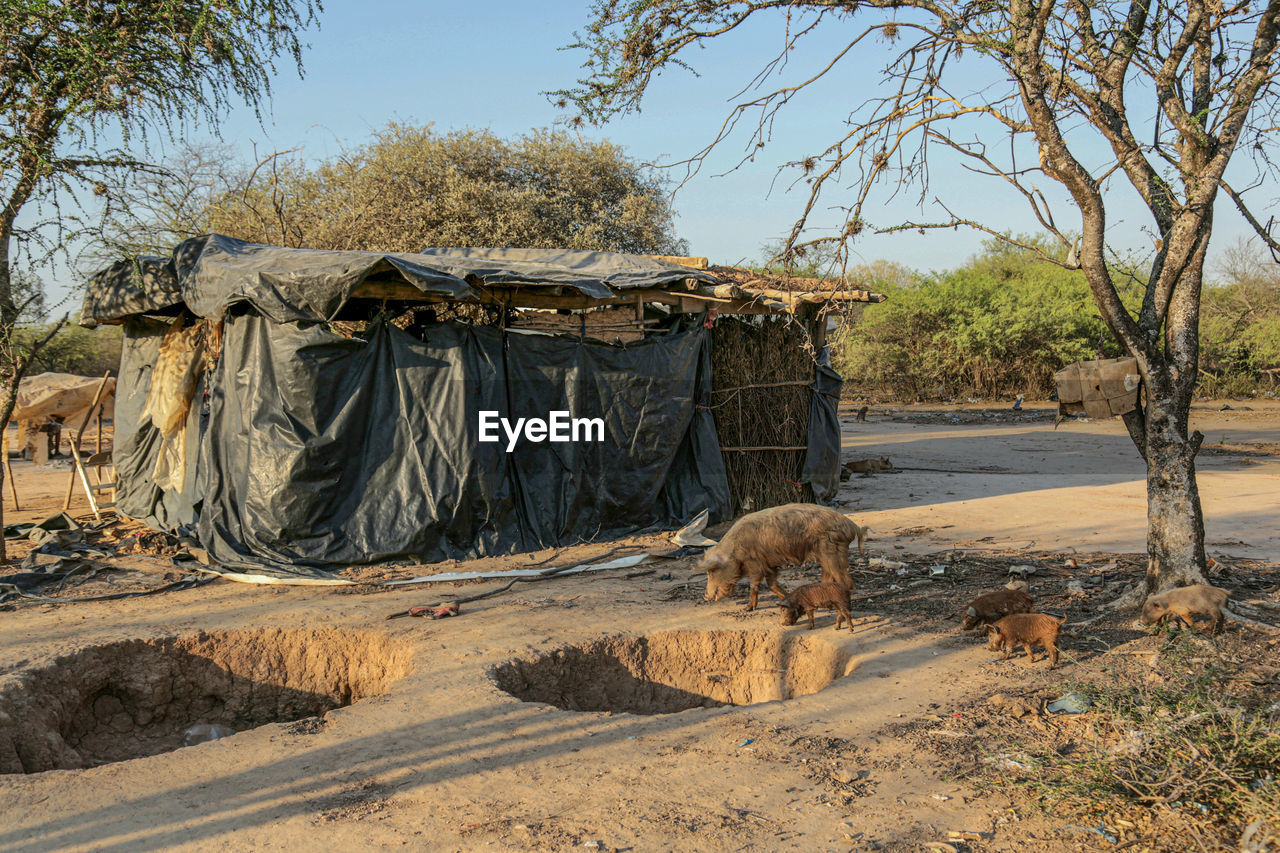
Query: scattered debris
point(1012, 705)
point(1071, 703)
point(1098, 830)
point(429, 611)
point(205, 732)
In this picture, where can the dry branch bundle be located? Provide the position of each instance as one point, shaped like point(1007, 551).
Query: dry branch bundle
point(761, 372)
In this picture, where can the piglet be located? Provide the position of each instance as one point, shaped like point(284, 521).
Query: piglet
point(811, 597)
point(1027, 629)
point(1186, 603)
point(993, 606)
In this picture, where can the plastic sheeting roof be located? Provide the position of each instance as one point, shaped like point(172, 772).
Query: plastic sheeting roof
point(210, 273)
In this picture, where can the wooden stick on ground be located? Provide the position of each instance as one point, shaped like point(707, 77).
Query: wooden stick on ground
point(75, 442)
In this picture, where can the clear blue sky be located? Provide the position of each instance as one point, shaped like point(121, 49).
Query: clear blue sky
point(486, 65)
point(459, 64)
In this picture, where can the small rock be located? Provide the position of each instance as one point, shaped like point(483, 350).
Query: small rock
point(1013, 705)
point(845, 775)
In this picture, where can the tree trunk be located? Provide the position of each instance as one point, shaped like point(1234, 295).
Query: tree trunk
point(8, 396)
point(1175, 522)
point(8, 390)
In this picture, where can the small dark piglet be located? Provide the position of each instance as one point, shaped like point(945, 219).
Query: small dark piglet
point(811, 597)
point(1027, 629)
point(994, 606)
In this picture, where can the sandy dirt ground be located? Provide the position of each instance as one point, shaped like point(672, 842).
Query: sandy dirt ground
point(434, 752)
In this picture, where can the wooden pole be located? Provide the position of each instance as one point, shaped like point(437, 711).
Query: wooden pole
point(97, 450)
point(75, 450)
point(8, 473)
point(805, 382)
point(84, 481)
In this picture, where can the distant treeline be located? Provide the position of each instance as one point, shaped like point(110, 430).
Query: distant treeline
point(1003, 323)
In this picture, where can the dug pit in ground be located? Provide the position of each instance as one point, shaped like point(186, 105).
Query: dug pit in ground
point(674, 671)
point(136, 698)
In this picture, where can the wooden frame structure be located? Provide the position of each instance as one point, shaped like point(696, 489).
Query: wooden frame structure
point(759, 295)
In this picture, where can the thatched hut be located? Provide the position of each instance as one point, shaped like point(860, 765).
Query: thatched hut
point(300, 409)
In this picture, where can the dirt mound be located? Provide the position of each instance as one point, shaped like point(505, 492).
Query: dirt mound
point(672, 671)
point(138, 697)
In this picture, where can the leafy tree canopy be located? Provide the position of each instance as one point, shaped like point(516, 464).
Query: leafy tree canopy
point(410, 187)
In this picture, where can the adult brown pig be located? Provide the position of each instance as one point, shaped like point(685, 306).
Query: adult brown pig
point(760, 543)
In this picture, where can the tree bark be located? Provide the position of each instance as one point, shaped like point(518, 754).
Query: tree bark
point(8, 396)
point(1175, 522)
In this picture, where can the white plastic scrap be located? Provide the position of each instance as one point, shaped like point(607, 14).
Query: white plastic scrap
point(885, 563)
point(205, 732)
point(1072, 703)
point(691, 533)
point(619, 563)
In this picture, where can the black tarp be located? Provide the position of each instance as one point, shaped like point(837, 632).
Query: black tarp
point(307, 450)
point(136, 443)
point(129, 288)
point(323, 451)
point(821, 468)
point(211, 273)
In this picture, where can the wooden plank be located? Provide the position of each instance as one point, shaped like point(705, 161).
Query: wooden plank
point(723, 291)
point(690, 261)
point(819, 296)
point(768, 302)
point(512, 297)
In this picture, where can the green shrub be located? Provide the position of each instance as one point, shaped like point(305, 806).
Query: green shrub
point(1003, 323)
point(998, 326)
